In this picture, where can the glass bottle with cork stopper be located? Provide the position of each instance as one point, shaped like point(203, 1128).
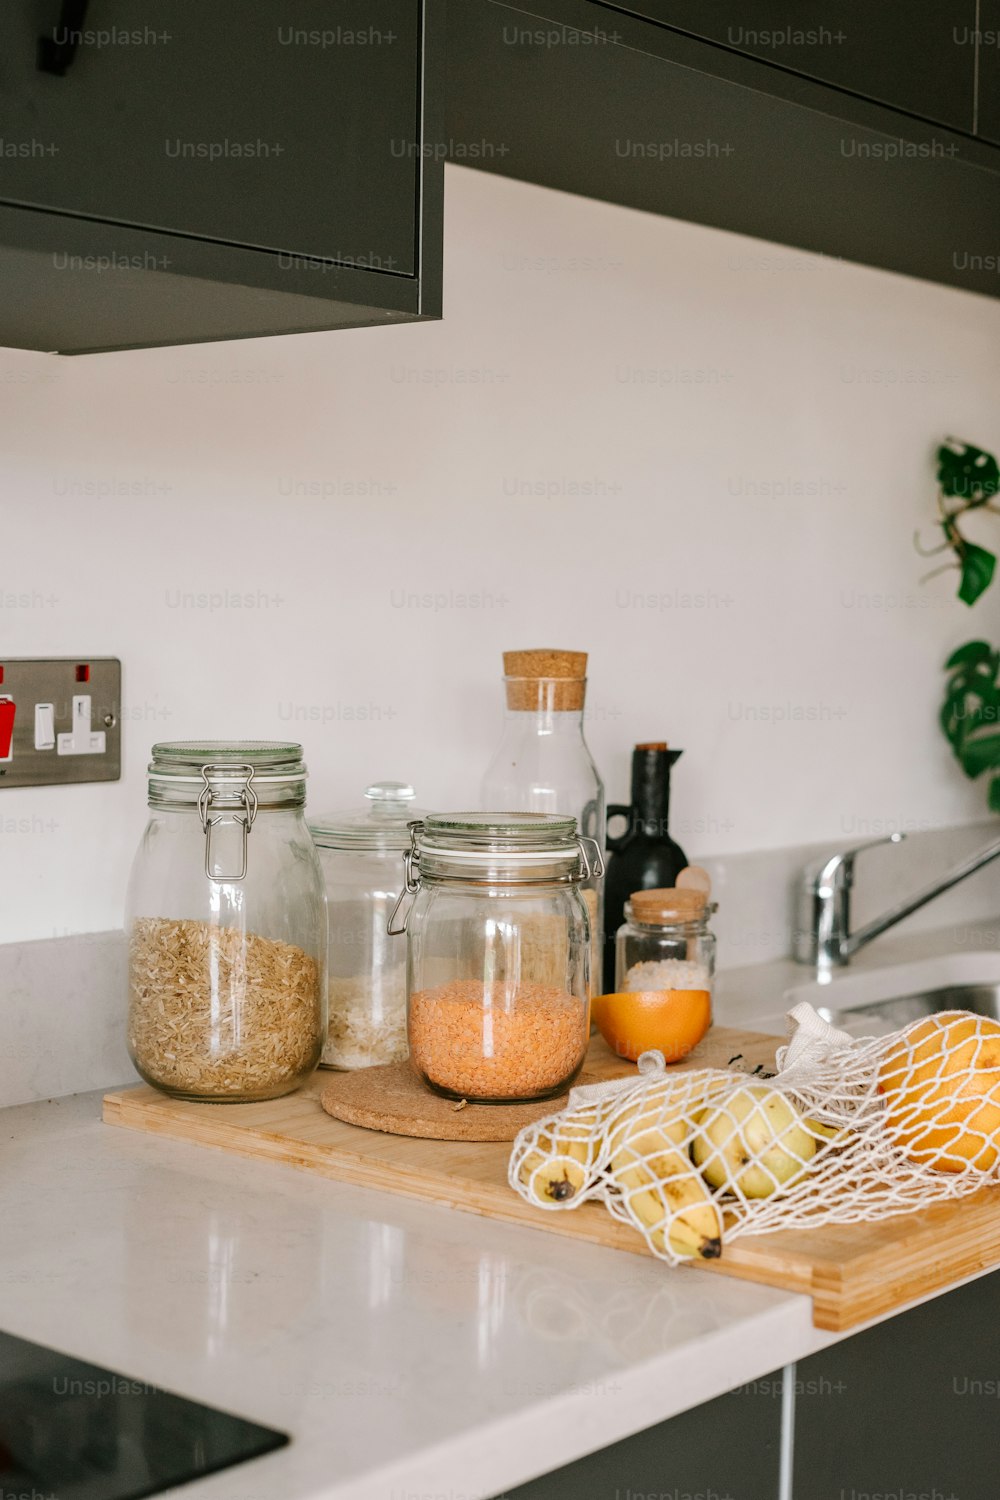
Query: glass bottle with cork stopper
point(665, 943)
point(542, 763)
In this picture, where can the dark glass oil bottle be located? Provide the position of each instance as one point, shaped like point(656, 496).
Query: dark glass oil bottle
point(644, 856)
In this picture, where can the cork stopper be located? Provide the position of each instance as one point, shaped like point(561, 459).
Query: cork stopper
point(667, 905)
point(545, 679)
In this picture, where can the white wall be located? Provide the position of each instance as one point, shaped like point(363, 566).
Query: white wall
point(730, 444)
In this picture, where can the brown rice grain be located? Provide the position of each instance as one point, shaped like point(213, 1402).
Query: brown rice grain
point(218, 1013)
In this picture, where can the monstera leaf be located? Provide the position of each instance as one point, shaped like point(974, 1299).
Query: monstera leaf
point(970, 714)
point(967, 473)
point(970, 477)
point(977, 571)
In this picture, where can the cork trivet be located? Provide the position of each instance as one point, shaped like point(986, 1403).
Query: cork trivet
point(545, 679)
point(393, 1099)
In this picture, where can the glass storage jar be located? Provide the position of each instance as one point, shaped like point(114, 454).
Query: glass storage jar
point(226, 922)
point(361, 854)
point(665, 942)
point(543, 764)
point(498, 954)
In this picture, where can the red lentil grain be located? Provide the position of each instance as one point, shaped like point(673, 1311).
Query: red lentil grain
point(482, 1041)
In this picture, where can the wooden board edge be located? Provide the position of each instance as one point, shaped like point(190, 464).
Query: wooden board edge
point(111, 1107)
point(839, 1307)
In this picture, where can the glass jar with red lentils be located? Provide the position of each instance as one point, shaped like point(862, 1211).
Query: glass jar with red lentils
point(498, 954)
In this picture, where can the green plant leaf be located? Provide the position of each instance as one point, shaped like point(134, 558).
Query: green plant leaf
point(971, 706)
point(967, 473)
point(977, 572)
point(973, 652)
point(981, 754)
point(994, 797)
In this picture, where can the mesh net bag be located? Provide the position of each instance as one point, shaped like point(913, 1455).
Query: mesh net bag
point(846, 1130)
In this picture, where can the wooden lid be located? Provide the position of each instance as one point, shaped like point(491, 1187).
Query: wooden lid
point(667, 904)
point(653, 745)
point(544, 680)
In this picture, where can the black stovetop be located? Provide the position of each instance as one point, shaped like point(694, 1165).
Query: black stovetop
point(73, 1431)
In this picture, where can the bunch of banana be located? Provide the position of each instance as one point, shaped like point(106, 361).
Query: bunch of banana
point(754, 1143)
point(662, 1193)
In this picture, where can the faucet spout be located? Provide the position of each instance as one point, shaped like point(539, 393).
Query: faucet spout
point(853, 941)
point(823, 935)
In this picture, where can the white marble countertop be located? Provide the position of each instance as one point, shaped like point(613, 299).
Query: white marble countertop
point(408, 1350)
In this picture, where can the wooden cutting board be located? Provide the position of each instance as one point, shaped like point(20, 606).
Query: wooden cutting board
point(852, 1271)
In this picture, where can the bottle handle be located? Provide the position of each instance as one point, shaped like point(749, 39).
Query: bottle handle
point(617, 810)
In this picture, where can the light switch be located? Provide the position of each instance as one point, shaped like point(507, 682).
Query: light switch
point(67, 721)
point(81, 740)
point(7, 711)
point(45, 726)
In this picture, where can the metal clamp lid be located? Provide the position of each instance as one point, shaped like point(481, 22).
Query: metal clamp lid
point(593, 871)
point(244, 798)
point(411, 882)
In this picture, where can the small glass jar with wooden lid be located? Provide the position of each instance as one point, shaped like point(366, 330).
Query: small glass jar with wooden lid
point(665, 942)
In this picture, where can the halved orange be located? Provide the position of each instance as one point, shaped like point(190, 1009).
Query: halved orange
point(671, 1021)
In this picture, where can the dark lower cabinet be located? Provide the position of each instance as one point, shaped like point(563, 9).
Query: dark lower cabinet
point(908, 1408)
point(726, 1449)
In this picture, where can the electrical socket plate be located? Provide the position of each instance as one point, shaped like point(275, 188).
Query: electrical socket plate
point(57, 682)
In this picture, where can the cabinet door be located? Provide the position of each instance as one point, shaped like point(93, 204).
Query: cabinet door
point(280, 127)
point(726, 1449)
point(989, 70)
point(908, 1407)
point(919, 57)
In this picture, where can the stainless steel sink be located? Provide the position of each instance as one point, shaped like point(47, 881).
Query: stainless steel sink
point(878, 1018)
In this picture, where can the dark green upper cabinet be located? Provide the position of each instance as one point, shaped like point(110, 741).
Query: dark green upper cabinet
point(988, 97)
point(598, 100)
point(280, 153)
point(919, 58)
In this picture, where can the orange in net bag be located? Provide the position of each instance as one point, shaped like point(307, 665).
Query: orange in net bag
point(847, 1130)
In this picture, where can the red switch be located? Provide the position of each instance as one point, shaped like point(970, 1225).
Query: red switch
point(7, 710)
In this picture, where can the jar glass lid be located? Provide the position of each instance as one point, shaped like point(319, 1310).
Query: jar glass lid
point(499, 830)
point(180, 770)
point(384, 825)
point(182, 757)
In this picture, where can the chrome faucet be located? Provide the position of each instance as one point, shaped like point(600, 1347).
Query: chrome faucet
point(823, 935)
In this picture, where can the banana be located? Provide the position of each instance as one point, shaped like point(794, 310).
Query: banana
point(655, 1115)
point(551, 1180)
point(556, 1169)
point(646, 1126)
point(669, 1200)
point(828, 1132)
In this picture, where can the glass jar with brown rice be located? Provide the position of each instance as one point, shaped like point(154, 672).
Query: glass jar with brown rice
point(226, 925)
point(498, 954)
